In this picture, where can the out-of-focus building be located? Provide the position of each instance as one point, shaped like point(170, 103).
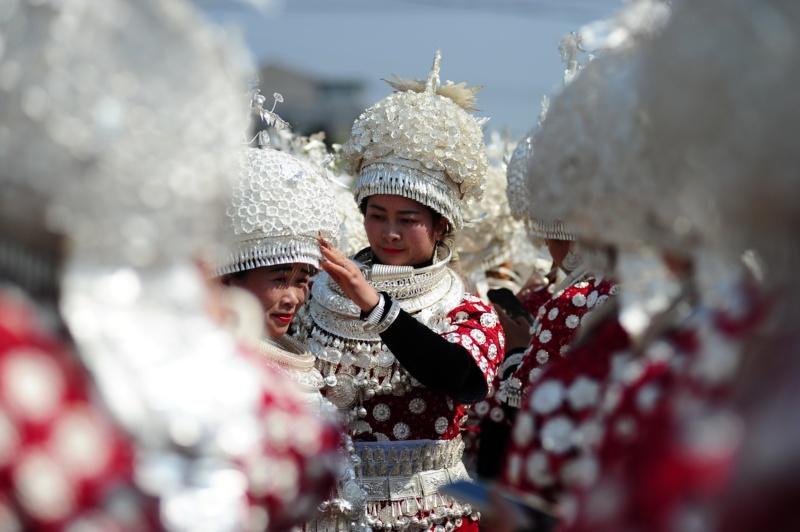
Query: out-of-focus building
point(314, 104)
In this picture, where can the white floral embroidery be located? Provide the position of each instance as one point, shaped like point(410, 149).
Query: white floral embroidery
point(591, 299)
point(32, 383)
point(501, 339)
point(581, 471)
point(545, 336)
point(381, 412)
point(475, 351)
point(572, 321)
point(536, 469)
point(478, 336)
point(482, 408)
point(547, 397)
point(488, 319)
point(553, 314)
point(647, 398)
point(583, 393)
point(453, 338)
point(441, 425)
point(542, 356)
point(579, 300)
point(466, 341)
point(558, 435)
point(492, 351)
point(401, 431)
point(497, 415)
point(417, 405)
point(461, 316)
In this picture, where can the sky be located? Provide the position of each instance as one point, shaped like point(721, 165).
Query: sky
point(509, 47)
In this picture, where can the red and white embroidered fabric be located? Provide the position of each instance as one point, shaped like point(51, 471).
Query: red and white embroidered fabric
point(555, 325)
point(672, 437)
point(299, 456)
point(533, 299)
point(422, 414)
point(557, 321)
point(62, 460)
point(555, 434)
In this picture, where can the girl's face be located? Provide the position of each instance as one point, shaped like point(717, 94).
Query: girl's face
point(281, 290)
point(558, 250)
point(401, 231)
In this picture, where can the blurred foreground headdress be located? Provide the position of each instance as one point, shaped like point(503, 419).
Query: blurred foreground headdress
point(719, 89)
point(85, 122)
point(578, 173)
point(122, 117)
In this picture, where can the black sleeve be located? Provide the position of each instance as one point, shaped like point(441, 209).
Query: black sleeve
point(492, 449)
point(438, 364)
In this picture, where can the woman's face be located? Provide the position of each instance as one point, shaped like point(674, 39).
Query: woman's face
point(558, 250)
point(401, 231)
point(281, 290)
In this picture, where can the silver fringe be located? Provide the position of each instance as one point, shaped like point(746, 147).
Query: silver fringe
point(400, 180)
point(273, 251)
point(551, 230)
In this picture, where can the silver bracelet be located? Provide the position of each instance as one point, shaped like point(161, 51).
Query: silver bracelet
point(375, 314)
point(391, 315)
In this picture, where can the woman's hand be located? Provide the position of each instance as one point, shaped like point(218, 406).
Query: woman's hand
point(517, 330)
point(347, 275)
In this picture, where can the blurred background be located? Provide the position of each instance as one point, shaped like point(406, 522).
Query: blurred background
point(327, 57)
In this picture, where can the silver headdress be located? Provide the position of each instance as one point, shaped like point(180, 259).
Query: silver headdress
point(421, 143)
point(585, 148)
point(520, 196)
point(81, 119)
point(724, 148)
point(724, 143)
point(351, 235)
point(279, 208)
point(132, 165)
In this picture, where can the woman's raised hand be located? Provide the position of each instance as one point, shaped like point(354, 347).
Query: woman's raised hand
point(347, 275)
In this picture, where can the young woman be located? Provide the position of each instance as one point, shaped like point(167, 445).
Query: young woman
point(278, 211)
point(401, 347)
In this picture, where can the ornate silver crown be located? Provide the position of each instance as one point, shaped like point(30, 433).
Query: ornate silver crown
point(421, 143)
point(280, 206)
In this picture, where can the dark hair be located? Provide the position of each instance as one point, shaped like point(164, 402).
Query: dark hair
point(235, 276)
